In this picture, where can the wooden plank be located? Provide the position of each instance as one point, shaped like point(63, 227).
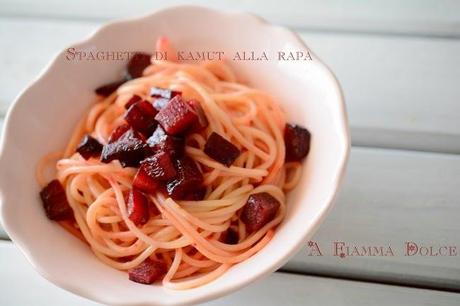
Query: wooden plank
point(427, 17)
point(3, 234)
point(277, 289)
point(390, 198)
point(401, 92)
point(22, 285)
point(27, 47)
point(392, 85)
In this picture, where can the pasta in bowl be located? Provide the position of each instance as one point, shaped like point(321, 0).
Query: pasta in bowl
point(61, 103)
point(177, 182)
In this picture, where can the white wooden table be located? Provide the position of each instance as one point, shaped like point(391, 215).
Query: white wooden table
point(399, 65)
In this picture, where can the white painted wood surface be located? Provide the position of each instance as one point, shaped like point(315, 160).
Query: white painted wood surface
point(400, 92)
point(391, 197)
point(21, 285)
point(3, 234)
point(416, 17)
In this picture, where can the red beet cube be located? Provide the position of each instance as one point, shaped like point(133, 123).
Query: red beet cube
point(137, 64)
point(160, 103)
point(202, 121)
point(138, 207)
point(159, 166)
point(230, 236)
point(158, 92)
point(153, 210)
point(188, 178)
point(141, 117)
point(129, 149)
point(134, 99)
point(297, 142)
point(148, 271)
point(143, 182)
point(55, 202)
point(197, 194)
point(107, 89)
point(118, 132)
point(177, 116)
point(260, 209)
point(160, 141)
point(89, 147)
point(221, 150)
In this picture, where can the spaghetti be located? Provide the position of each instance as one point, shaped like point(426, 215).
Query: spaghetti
point(190, 237)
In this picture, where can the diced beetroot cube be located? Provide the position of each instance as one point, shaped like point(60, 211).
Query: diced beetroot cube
point(153, 210)
point(107, 89)
point(158, 92)
point(129, 149)
point(297, 142)
point(134, 99)
point(221, 150)
point(55, 202)
point(148, 271)
point(137, 64)
point(260, 209)
point(202, 121)
point(120, 130)
point(138, 207)
point(188, 178)
point(89, 147)
point(141, 117)
point(160, 103)
point(177, 116)
point(159, 166)
point(160, 141)
point(143, 182)
point(230, 236)
point(197, 194)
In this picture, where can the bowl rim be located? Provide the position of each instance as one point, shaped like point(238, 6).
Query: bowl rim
point(342, 132)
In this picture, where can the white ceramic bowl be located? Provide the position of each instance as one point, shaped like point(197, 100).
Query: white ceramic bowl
point(43, 116)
